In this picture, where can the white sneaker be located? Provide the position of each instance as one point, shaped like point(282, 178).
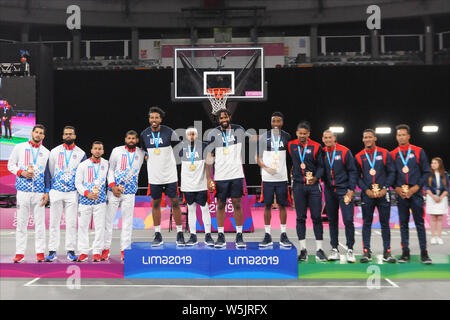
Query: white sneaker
point(440, 241)
point(350, 256)
point(334, 255)
point(433, 240)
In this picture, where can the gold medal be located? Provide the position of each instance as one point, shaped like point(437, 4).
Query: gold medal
point(303, 166)
point(405, 169)
point(225, 150)
point(121, 187)
point(347, 199)
point(405, 188)
point(30, 169)
point(95, 190)
point(192, 167)
point(372, 172)
point(376, 188)
point(157, 151)
point(276, 156)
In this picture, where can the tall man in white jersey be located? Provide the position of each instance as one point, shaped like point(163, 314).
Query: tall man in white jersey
point(61, 169)
point(194, 177)
point(90, 181)
point(124, 165)
point(226, 145)
point(28, 161)
point(158, 140)
point(271, 158)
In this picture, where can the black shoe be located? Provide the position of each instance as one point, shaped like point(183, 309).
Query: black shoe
point(180, 239)
point(303, 255)
point(209, 240)
point(220, 243)
point(267, 241)
point(387, 257)
point(192, 240)
point(158, 240)
point(320, 255)
point(405, 257)
point(284, 240)
point(240, 241)
point(424, 257)
point(367, 256)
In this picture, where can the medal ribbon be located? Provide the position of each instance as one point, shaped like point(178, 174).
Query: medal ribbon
point(302, 157)
point(130, 162)
point(226, 137)
point(276, 144)
point(67, 160)
point(35, 157)
point(405, 162)
point(191, 153)
point(96, 171)
point(156, 140)
point(329, 161)
point(372, 164)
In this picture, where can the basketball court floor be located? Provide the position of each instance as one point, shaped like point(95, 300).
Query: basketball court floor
point(222, 289)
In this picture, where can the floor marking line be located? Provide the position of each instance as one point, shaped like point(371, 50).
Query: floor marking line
point(199, 286)
point(29, 283)
point(394, 285)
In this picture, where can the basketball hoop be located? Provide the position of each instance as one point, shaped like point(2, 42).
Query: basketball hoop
point(218, 98)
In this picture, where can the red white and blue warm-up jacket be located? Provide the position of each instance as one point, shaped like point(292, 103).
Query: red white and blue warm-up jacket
point(384, 166)
point(344, 174)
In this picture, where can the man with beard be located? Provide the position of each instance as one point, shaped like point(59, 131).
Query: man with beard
point(90, 181)
point(158, 140)
point(61, 169)
point(124, 165)
point(225, 152)
point(271, 158)
point(28, 161)
point(307, 163)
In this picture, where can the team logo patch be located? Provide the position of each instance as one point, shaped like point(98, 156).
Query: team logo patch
point(379, 157)
point(308, 150)
point(74, 156)
point(102, 167)
point(338, 157)
point(41, 154)
point(137, 157)
point(411, 156)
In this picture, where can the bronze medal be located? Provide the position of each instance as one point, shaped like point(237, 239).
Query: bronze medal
point(372, 172)
point(405, 169)
point(303, 166)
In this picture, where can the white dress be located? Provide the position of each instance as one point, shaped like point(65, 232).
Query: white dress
point(433, 207)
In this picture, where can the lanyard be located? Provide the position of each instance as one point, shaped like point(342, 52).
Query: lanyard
point(191, 153)
point(35, 157)
point(130, 162)
point(156, 140)
point(405, 162)
point(67, 160)
point(96, 171)
point(329, 161)
point(276, 144)
point(302, 157)
point(372, 164)
point(226, 137)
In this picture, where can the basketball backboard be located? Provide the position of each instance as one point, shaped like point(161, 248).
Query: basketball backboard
point(239, 68)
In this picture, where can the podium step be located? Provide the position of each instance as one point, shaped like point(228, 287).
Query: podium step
point(311, 269)
point(202, 262)
point(60, 268)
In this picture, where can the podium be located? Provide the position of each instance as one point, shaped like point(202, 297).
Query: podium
point(202, 262)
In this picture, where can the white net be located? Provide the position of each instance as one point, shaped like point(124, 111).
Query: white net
point(218, 98)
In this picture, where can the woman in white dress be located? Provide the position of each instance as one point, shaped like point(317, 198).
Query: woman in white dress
point(437, 200)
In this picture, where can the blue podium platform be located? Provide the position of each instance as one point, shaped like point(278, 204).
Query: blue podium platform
point(202, 262)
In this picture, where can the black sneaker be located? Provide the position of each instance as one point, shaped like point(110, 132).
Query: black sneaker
point(424, 257)
point(267, 241)
point(284, 240)
point(387, 257)
point(180, 239)
point(209, 240)
point(240, 241)
point(158, 240)
point(220, 243)
point(303, 255)
point(192, 240)
point(367, 256)
point(405, 257)
point(320, 255)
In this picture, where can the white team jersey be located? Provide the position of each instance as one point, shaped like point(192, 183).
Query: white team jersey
point(62, 167)
point(87, 173)
point(124, 167)
point(228, 159)
point(273, 159)
point(23, 156)
point(162, 167)
point(193, 180)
